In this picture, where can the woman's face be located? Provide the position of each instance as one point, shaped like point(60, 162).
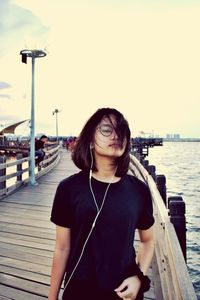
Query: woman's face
point(106, 142)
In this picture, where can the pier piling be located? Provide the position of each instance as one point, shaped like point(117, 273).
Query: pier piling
point(177, 217)
point(145, 164)
point(152, 171)
point(161, 186)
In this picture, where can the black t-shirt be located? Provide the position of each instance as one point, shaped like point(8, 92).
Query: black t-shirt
point(109, 256)
point(39, 145)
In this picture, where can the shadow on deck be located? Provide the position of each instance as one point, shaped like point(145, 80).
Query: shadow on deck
point(27, 237)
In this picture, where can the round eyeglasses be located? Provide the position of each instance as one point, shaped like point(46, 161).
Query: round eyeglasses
point(106, 129)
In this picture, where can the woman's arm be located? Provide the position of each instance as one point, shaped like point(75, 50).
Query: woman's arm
point(144, 257)
point(61, 253)
point(146, 249)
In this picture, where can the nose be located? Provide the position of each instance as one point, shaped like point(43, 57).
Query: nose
point(114, 135)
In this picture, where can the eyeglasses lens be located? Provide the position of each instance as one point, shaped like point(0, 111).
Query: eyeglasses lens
point(106, 130)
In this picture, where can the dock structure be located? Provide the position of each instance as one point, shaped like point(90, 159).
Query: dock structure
point(27, 240)
point(141, 145)
point(27, 236)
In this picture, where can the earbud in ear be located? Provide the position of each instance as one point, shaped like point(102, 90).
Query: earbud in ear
point(91, 145)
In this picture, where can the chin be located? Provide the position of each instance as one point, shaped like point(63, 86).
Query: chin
point(117, 153)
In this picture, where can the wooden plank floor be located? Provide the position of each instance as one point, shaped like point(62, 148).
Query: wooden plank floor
point(27, 237)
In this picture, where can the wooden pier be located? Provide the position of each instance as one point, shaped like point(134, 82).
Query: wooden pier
point(27, 236)
point(27, 240)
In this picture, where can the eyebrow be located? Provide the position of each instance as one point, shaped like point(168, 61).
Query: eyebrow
point(107, 124)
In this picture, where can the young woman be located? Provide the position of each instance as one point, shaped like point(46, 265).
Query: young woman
point(96, 212)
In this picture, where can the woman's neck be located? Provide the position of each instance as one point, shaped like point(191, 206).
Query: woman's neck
point(106, 171)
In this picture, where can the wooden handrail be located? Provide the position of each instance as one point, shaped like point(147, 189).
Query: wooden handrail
point(14, 163)
point(173, 273)
point(15, 174)
point(47, 164)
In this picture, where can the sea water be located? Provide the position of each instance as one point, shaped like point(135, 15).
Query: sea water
point(180, 163)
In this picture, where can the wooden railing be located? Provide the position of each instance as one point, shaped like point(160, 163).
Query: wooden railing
point(169, 264)
point(22, 171)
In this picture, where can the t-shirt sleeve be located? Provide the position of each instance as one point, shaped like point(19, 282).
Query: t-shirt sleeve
point(61, 213)
point(146, 219)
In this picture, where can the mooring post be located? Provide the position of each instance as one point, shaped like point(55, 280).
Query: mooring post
point(2, 172)
point(146, 164)
point(19, 166)
point(177, 217)
point(161, 186)
point(152, 171)
point(137, 155)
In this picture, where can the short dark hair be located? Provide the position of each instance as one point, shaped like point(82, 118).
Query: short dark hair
point(81, 155)
point(43, 137)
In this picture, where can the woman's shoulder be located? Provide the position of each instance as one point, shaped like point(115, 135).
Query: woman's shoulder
point(137, 182)
point(139, 188)
point(73, 179)
point(134, 179)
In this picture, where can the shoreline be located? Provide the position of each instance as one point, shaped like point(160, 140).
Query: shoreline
point(181, 140)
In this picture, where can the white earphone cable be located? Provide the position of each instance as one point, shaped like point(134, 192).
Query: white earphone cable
point(92, 227)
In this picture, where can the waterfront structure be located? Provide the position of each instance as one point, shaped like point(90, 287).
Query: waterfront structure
point(174, 136)
point(20, 278)
point(9, 129)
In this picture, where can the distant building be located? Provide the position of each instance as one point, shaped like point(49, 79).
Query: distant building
point(168, 136)
point(177, 136)
point(173, 136)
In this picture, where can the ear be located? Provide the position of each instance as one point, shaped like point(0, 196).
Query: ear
point(91, 145)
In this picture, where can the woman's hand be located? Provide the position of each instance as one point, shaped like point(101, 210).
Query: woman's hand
point(129, 288)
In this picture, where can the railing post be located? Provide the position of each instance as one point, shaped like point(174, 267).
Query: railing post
point(29, 165)
point(161, 186)
point(19, 167)
point(152, 171)
point(177, 217)
point(39, 167)
point(2, 172)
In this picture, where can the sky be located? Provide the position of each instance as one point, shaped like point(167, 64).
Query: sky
point(141, 57)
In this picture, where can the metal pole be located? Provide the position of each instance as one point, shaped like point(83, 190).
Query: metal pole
point(55, 112)
point(32, 152)
point(34, 53)
point(57, 126)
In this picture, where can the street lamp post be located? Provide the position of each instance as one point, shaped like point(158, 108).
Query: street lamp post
point(33, 54)
point(55, 112)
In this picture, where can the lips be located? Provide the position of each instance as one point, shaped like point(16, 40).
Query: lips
point(116, 145)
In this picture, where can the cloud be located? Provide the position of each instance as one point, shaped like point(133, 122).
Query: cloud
point(7, 119)
point(5, 96)
point(17, 25)
point(4, 85)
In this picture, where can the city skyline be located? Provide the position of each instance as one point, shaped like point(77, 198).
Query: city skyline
point(141, 57)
